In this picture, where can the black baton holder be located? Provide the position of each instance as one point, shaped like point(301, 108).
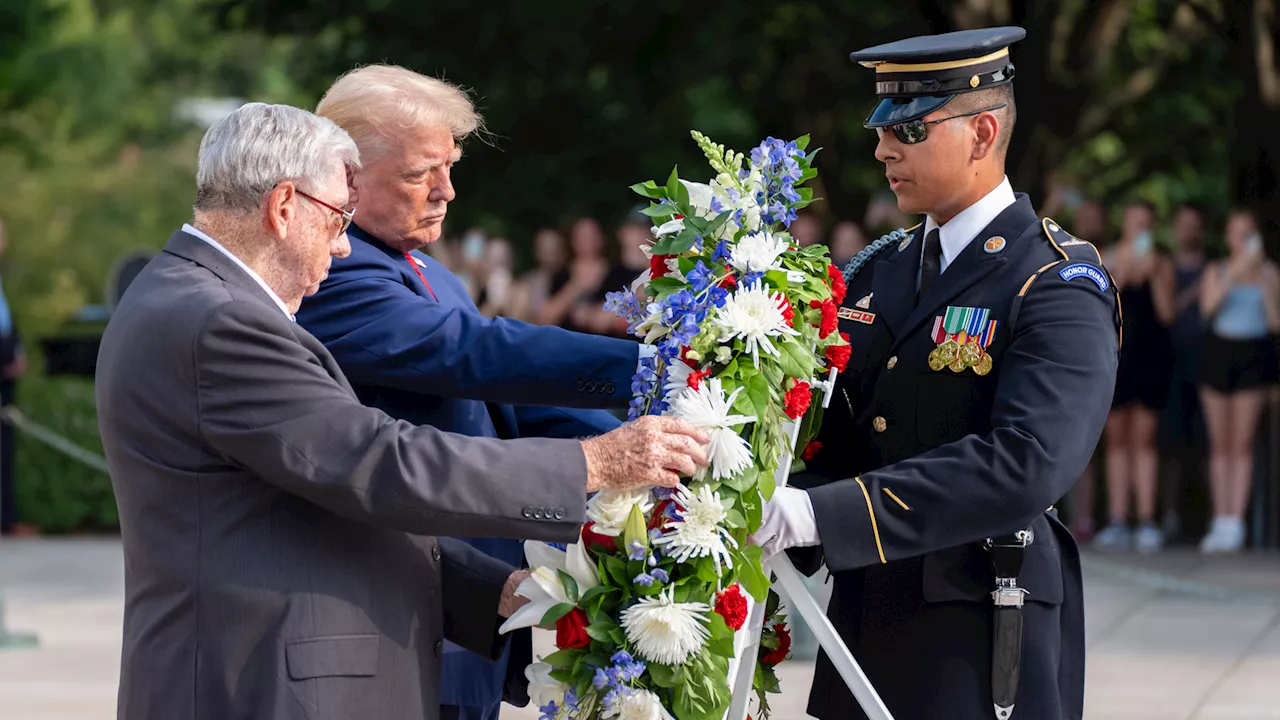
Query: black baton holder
point(1006, 554)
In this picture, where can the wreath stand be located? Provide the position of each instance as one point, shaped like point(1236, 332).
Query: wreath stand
point(790, 586)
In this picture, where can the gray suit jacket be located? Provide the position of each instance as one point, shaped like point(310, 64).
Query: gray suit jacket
point(279, 558)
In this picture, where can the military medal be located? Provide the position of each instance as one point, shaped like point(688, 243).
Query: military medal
point(984, 365)
point(970, 353)
point(962, 336)
point(957, 364)
point(935, 360)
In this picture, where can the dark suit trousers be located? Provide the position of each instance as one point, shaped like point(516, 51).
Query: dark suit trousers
point(8, 502)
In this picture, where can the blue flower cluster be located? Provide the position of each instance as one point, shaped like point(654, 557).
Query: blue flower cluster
point(625, 305)
point(778, 162)
point(625, 669)
point(552, 709)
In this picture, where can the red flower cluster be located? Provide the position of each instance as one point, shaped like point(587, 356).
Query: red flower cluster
point(591, 537)
point(829, 318)
point(571, 630)
point(838, 355)
point(811, 449)
point(788, 312)
point(797, 400)
point(780, 653)
point(838, 288)
point(731, 606)
point(658, 265)
point(696, 377)
point(729, 282)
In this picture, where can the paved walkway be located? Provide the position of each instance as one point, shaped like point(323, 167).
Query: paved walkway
point(1173, 637)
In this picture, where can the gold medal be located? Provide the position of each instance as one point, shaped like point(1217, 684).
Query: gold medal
point(935, 360)
point(947, 351)
point(984, 365)
point(957, 364)
point(970, 354)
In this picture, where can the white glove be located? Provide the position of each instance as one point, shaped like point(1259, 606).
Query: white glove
point(787, 522)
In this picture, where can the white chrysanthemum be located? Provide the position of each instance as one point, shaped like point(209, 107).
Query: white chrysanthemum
point(677, 377)
point(638, 705)
point(664, 631)
point(543, 688)
point(758, 252)
point(543, 587)
point(698, 532)
point(708, 408)
point(755, 315)
point(609, 509)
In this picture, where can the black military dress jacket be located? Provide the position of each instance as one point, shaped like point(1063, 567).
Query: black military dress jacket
point(927, 452)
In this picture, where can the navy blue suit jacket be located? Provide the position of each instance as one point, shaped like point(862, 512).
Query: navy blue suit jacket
point(427, 355)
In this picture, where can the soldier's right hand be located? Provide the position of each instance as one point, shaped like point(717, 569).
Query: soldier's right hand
point(645, 452)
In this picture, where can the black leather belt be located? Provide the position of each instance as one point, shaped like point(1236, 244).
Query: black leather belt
point(1006, 646)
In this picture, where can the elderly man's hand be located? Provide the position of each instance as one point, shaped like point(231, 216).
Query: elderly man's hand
point(510, 601)
point(787, 522)
point(645, 452)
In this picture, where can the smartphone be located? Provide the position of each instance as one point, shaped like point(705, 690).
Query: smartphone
point(1253, 245)
point(1142, 244)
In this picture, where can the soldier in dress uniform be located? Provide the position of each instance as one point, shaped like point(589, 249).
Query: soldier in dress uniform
point(984, 351)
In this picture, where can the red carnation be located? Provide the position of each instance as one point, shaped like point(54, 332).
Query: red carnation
point(731, 606)
point(811, 449)
point(788, 312)
point(604, 542)
point(729, 282)
point(684, 356)
point(779, 653)
point(797, 400)
point(829, 316)
point(838, 288)
point(696, 377)
point(838, 355)
point(658, 265)
point(571, 630)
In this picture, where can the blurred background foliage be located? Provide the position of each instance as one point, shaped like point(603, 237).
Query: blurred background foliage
point(1165, 100)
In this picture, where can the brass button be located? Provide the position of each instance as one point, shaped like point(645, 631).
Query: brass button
point(892, 361)
point(879, 424)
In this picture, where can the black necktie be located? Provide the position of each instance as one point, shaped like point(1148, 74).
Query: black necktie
point(931, 264)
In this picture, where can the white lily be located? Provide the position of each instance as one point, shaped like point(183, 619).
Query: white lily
point(670, 227)
point(699, 198)
point(543, 688)
point(543, 588)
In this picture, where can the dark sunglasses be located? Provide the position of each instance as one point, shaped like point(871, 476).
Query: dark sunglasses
point(917, 131)
point(347, 215)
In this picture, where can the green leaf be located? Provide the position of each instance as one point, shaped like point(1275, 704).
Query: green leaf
point(556, 612)
point(754, 510)
point(660, 212)
point(570, 585)
point(601, 630)
point(649, 189)
point(753, 579)
point(665, 285)
point(743, 481)
point(758, 390)
point(707, 570)
point(809, 158)
point(777, 278)
point(771, 605)
point(618, 571)
point(662, 675)
point(564, 658)
point(797, 358)
point(564, 675)
point(673, 183)
point(734, 519)
point(802, 142)
point(768, 483)
point(721, 640)
point(676, 244)
point(617, 637)
point(595, 592)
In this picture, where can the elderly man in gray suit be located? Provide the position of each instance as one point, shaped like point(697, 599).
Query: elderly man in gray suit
point(278, 535)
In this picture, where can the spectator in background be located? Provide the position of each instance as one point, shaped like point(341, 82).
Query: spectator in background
point(583, 278)
point(1239, 299)
point(536, 286)
point(847, 240)
point(1144, 276)
point(1090, 223)
point(1181, 426)
point(635, 232)
point(495, 293)
point(806, 229)
point(13, 360)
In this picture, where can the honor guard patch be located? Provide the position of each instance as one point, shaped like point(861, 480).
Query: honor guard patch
point(1076, 270)
point(994, 245)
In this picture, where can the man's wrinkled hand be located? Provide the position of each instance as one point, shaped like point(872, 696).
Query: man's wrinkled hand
point(787, 522)
point(510, 602)
point(646, 452)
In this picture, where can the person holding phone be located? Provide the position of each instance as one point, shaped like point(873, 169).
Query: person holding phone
point(1145, 278)
point(1240, 300)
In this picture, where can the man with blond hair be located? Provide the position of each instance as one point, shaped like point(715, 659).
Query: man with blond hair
point(409, 336)
point(280, 558)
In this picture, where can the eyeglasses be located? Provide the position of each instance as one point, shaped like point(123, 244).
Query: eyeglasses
point(917, 131)
point(347, 215)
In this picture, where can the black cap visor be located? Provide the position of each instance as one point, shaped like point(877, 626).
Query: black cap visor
point(892, 111)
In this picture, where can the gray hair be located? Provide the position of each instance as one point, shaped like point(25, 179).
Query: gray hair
point(248, 152)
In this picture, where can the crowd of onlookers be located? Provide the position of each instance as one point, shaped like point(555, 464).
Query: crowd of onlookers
point(1197, 364)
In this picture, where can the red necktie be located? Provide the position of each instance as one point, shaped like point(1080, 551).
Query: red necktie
point(414, 264)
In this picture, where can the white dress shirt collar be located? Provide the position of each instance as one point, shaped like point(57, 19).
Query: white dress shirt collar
point(963, 228)
point(192, 230)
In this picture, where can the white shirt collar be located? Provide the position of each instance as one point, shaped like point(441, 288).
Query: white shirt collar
point(192, 230)
point(963, 228)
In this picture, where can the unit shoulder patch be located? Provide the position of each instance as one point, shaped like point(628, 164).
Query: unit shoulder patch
point(1087, 271)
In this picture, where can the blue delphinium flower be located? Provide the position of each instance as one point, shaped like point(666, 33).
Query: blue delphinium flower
point(717, 296)
point(750, 279)
point(622, 657)
point(643, 579)
point(659, 575)
point(571, 699)
point(699, 277)
point(717, 207)
point(601, 679)
point(721, 253)
point(632, 671)
point(635, 408)
point(549, 711)
point(624, 304)
point(635, 550)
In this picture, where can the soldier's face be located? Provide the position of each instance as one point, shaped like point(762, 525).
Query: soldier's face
point(930, 177)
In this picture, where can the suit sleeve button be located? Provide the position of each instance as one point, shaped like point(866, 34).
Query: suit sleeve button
point(527, 511)
point(560, 513)
point(581, 386)
point(435, 553)
point(538, 513)
point(609, 388)
point(439, 648)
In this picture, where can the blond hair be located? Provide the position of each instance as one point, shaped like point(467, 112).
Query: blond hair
point(376, 102)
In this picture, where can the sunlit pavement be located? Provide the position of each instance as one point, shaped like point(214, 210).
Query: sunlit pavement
point(1171, 637)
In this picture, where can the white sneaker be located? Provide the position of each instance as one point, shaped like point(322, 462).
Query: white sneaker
point(1148, 539)
point(1113, 538)
point(1226, 535)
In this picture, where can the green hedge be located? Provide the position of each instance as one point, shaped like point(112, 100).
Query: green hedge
point(56, 493)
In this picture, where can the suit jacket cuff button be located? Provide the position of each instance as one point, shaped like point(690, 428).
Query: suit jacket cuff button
point(560, 513)
point(527, 511)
